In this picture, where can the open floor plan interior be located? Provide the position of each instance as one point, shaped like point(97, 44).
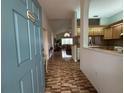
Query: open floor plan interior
point(61, 46)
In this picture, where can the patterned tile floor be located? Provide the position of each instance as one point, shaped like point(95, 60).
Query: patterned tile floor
point(64, 76)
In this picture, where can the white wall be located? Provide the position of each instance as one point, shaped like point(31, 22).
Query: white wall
point(48, 35)
point(46, 43)
point(74, 28)
point(103, 69)
point(74, 53)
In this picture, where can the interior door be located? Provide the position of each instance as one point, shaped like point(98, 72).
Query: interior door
point(22, 67)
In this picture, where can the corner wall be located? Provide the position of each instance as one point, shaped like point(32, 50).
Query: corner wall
point(48, 35)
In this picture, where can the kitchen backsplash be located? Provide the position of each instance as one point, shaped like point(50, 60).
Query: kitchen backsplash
point(99, 40)
point(114, 42)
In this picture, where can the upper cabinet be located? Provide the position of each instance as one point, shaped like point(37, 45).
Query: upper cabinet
point(78, 32)
point(108, 33)
point(116, 31)
point(113, 31)
point(93, 22)
point(96, 30)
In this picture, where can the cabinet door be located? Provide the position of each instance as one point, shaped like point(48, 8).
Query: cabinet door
point(101, 31)
point(105, 34)
point(121, 27)
point(78, 31)
point(91, 31)
point(116, 30)
point(108, 33)
point(96, 31)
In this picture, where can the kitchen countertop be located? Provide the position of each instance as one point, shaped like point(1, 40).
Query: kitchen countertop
point(104, 49)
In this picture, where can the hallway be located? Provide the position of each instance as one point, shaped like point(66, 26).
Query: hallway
point(64, 76)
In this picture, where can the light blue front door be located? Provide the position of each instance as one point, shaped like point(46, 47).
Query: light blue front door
point(21, 64)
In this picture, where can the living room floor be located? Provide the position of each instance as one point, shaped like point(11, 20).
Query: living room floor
point(64, 76)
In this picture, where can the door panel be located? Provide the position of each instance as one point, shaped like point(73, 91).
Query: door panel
point(37, 42)
point(26, 83)
point(22, 67)
point(22, 37)
point(37, 76)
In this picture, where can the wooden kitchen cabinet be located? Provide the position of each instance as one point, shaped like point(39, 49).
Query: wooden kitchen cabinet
point(108, 33)
point(116, 31)
point(113, 31)
point(100, 31)
point(78, 32)
point(91, 31)
point(95, 31)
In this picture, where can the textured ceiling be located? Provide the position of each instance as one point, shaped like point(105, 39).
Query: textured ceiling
point(59, 9)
